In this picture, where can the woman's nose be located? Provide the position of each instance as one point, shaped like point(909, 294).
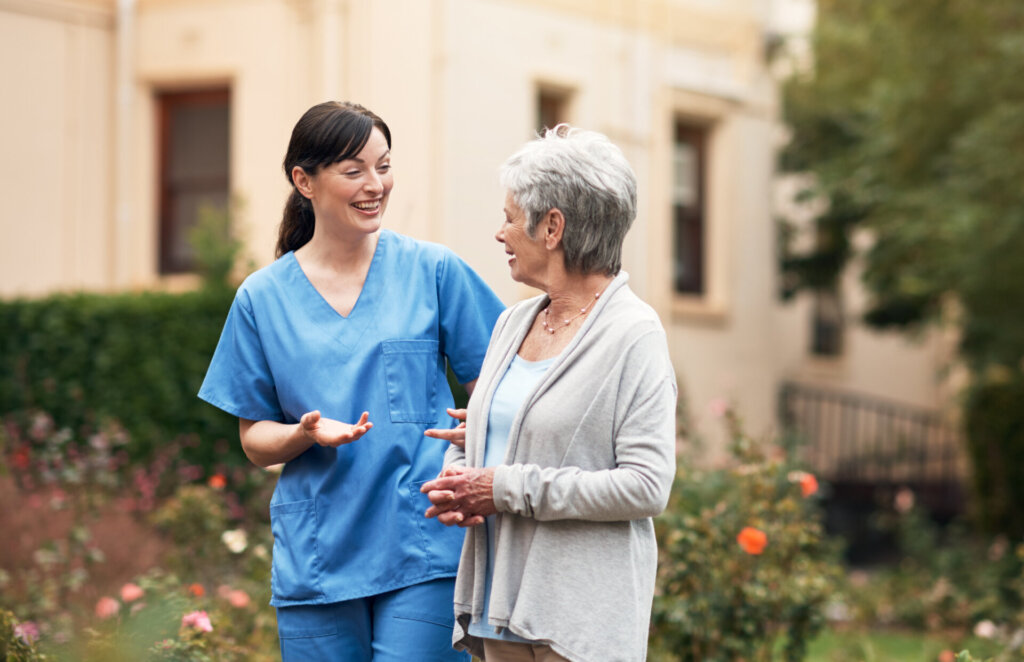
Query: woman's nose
point(373, 182)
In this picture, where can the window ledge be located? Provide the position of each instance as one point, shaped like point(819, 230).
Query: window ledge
point(177, 283)
point(694, 309)
point(817, 366)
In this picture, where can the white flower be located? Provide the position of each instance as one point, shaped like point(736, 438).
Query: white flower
point(235, 539)
point(985, 629)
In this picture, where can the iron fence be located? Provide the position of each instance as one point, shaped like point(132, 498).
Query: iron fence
point(864, 446)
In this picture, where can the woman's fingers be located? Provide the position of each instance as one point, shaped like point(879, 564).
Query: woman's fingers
point(332, 433)
point(456, 435)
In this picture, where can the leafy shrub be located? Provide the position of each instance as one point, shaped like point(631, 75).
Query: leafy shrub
point(744, 566)
point(17, 639)
point(135, 358)
point(948, 580)
point(213, 528)
point(995, 442)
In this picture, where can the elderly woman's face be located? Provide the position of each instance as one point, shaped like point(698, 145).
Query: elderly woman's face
point(527, 256)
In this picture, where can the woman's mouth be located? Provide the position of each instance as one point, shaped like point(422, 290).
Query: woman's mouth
point(369, 207)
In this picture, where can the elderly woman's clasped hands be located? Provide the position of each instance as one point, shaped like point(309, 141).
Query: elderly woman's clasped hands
point(460, 495)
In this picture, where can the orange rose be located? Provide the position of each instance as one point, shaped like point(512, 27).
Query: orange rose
point(197, 590)
point(753, 541)
point(808, 484)
point(218, 481)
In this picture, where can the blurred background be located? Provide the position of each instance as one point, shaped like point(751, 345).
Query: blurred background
point(831, 224)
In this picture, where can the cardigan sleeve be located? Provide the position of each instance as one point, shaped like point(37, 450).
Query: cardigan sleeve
point(644, 442)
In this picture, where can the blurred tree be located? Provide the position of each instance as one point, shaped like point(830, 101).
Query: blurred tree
point(215, 244)
point(911, 121)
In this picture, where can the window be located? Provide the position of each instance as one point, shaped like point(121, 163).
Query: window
point(689, 155)
point(194, 155)
point(552, 108)
point(827, 324)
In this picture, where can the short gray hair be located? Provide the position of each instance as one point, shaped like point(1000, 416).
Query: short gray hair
point(586, 177)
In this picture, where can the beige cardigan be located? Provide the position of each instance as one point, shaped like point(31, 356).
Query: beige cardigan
point(590, 460)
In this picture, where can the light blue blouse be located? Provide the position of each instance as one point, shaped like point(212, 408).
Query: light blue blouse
point(518, 382)
point(349, 522)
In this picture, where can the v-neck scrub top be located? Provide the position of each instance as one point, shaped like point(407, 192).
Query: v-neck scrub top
point(348, 522)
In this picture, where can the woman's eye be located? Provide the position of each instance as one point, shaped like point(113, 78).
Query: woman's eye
point(352, 173)
point(384, 168)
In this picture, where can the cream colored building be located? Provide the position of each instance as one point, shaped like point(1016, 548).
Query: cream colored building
point(119, 115)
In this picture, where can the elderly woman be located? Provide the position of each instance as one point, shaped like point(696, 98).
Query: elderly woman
point(569, 445)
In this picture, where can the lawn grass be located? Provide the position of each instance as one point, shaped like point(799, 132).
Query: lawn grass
point(832, 646)
point(886, 646)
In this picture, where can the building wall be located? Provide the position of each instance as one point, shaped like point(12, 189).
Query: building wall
point(55, 129)
point(456, 81)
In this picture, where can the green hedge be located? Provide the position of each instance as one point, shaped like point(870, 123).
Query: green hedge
point(136, 358)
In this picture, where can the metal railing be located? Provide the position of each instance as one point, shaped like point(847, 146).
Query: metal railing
point(858, 441)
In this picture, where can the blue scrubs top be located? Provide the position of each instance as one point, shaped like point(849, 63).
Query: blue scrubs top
point(348, 522)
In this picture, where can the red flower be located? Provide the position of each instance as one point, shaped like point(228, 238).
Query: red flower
point(20, 459)
point(808, 484)
point(197, 590)
point(753, 541)
point(218, 481)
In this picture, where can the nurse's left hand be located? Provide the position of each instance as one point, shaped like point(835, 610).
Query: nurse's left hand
point(332, 433)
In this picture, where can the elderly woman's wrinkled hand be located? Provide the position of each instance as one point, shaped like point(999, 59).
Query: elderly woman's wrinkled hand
point(456, 435)
point(461, 496)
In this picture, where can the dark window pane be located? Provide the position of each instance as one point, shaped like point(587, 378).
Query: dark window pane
point(827, 324)
point(194, 171)
point(688, 208)
point(552, 108)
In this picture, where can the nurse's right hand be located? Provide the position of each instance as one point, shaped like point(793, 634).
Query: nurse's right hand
point(332, 433)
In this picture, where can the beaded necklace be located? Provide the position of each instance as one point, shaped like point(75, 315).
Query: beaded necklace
point(566, 322)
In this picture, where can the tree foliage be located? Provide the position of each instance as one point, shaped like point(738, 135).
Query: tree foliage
point(911, 120)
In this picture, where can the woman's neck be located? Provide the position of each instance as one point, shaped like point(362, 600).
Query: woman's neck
point(325, 252)
point(575, 295)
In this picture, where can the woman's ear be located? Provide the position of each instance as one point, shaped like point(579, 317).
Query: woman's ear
point(303, 182)
point(553, 226)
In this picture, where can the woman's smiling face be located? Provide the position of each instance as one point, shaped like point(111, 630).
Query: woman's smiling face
point(527, 255)
point(353, 194)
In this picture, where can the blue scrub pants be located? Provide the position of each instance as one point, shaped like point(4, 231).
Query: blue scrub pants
point(412, 623)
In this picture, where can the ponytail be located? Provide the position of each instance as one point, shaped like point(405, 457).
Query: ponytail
point(297, 224)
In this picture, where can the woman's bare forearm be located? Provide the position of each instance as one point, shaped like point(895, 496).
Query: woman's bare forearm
point(268, 442)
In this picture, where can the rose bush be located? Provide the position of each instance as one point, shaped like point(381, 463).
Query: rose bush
point(745, 569)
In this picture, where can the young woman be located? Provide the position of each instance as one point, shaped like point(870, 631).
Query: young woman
point(333, 358)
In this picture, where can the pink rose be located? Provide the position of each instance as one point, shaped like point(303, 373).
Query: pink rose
point(131, 592)
point(239, 599)
point(27, 632)
point(107, 607)
point(198, 620)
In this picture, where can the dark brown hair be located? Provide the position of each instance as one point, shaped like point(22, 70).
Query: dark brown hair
point(327, 133)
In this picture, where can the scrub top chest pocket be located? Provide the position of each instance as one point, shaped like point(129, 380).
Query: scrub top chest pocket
point(410, 369)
